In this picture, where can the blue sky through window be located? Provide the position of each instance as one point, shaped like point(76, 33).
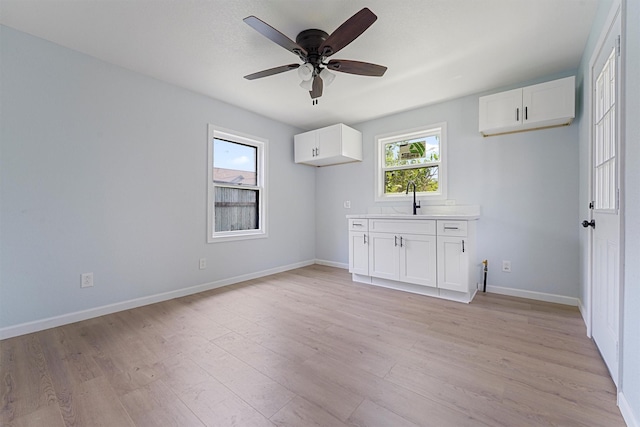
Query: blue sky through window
point(234, 156)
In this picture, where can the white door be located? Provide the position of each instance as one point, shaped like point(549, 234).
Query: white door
point(418, 259)
point(500, 110)
point(545, 102)
point(605, 224)
point(453, 264)
point(305, 146)
point(384, 255)
point(358, 253)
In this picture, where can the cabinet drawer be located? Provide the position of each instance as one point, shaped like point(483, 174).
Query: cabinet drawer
point(358, 224)
point(452, 228)
point(420, 226)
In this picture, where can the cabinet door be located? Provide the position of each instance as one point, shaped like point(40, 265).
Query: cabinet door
point(383, 255)
point(547, 102)
point(329, 142)
point(358, 253)
point(305, 145)
point(453, 264)
point(501, 110)
point(418, 259)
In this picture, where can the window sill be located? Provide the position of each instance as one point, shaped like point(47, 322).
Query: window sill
point(231, 237)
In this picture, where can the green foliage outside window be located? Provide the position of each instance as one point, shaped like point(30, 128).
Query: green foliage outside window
point(404, 154)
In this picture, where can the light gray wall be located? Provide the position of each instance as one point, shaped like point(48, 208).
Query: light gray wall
point(104, 170)
point(631, 318)
point(525, 183)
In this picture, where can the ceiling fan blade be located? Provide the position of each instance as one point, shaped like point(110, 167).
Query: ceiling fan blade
point(275, 36)
point(316, 90)
point(271, 71)
point(356, 67)
point(347, 32)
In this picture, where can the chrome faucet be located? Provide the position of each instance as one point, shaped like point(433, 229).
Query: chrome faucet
point(415, 205)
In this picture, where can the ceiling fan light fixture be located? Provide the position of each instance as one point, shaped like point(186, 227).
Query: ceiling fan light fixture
point(327, 76)
point(307, 84)
point(305, 72)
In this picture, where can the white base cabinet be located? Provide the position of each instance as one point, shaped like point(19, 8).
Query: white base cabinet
point(425, 256)
point(533, 107)
point(359, 247)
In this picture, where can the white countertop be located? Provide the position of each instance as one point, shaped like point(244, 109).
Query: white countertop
point(460, 212)
point(466, 217)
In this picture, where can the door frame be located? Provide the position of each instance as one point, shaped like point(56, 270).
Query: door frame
point(615, 13)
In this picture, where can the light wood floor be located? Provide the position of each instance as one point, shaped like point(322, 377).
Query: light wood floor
point(310, 348)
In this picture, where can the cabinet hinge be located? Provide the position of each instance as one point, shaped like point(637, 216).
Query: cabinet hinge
point(618, 45)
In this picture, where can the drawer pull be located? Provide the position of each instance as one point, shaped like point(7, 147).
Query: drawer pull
point(451, 228)
point(357, 224)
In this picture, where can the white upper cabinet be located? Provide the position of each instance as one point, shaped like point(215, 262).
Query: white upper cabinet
point(328, 146)
point(532, 107)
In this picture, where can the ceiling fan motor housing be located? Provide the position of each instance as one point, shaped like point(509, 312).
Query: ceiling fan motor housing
point(311, 40)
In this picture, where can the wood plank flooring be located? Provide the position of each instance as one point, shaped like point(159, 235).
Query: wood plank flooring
point(309, 347)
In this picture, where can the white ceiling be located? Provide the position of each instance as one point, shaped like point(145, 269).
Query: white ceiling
point(434, 49)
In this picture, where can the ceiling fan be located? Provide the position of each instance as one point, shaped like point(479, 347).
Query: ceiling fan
point(313, 47)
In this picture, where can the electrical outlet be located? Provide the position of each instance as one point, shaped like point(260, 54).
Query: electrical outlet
point(347, 204)
point(203, 263)
point(86, 280)
point(506, 266)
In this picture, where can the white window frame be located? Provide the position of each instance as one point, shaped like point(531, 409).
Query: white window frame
point(381, 140)
point(261, 144)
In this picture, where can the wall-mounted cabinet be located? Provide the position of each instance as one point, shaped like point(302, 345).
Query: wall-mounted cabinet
point(328, 146)
point(533, 107)
point(424, 256)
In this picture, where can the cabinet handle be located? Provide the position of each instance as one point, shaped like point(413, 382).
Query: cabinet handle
point(463, 245)
point(317, 151)
point(526, 113)
point(450, 228)
point(401, 241)
point(395, 240)
point(357, 224)
point(364, 237)
point(517, 114)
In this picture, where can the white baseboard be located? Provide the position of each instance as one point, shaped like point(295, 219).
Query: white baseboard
point(65, 319)
point(585, 316)
point(332, 264)
point(539, 296)
point(627, 412)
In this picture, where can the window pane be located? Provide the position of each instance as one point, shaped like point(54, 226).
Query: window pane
point(426, 179)
point(412, 151)
point(234, 163)
point(236, 209)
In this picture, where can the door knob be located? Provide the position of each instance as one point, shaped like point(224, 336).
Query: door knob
point(591, 223)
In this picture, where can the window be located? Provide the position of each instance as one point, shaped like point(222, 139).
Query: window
point(416, 155)
point(236, 186)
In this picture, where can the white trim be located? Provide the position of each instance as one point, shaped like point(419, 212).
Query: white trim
point(332, 264)
point(262, 146)
point(65, 319)
point(585, 316)
point(538, 296)
point(442, 165)
point(627, 411)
